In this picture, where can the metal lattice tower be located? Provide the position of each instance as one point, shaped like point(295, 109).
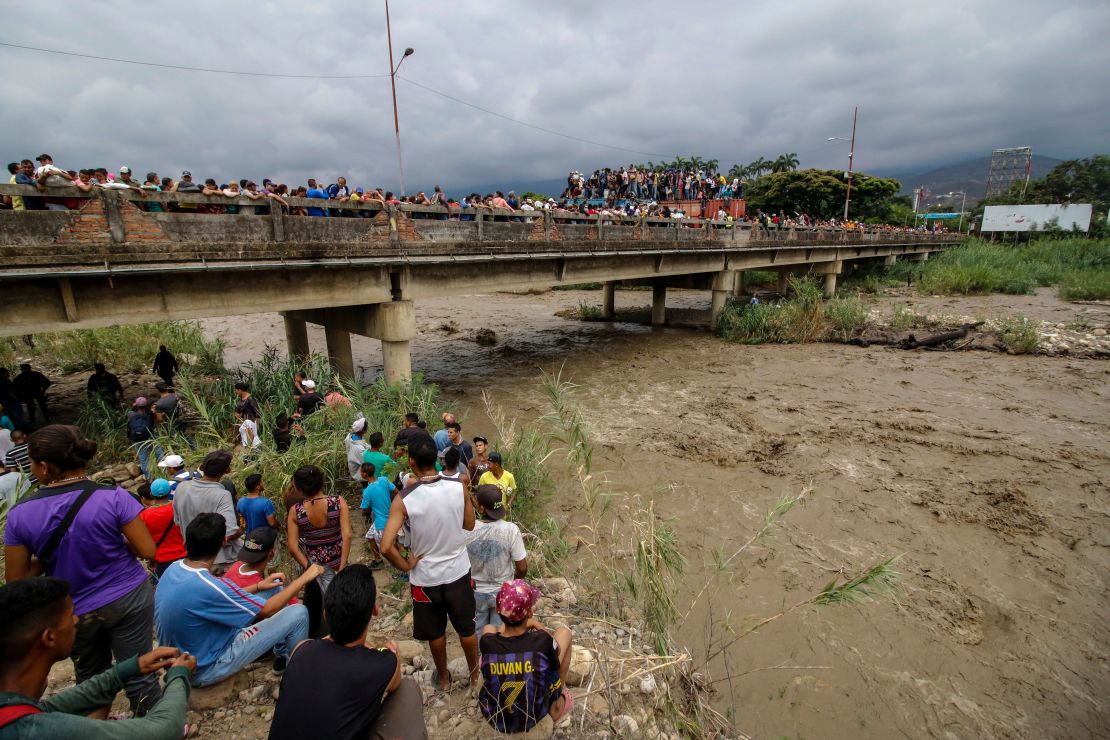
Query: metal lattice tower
point(1009, 168)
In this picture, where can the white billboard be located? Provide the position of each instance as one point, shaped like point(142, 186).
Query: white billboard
point(1037, 217)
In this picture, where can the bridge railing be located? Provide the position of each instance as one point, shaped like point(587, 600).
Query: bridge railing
point(183, 218)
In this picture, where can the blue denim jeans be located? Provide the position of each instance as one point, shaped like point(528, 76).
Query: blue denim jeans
point(485, 611)
point(281, 633)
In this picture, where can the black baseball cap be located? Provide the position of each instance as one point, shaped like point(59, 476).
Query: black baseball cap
point(476, 440)
point(495, 457)
point(256, 544)
point(492, 499)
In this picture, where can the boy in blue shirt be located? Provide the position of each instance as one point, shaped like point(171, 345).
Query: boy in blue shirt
point(377, 497)
point(256, 510)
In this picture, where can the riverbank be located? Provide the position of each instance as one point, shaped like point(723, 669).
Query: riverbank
point(987, 470)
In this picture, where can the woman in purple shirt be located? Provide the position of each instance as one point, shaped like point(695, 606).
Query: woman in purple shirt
point(112, 594)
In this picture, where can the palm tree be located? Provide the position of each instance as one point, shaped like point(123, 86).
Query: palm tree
point(786, 162)
point(737, 172)
point(711, 165)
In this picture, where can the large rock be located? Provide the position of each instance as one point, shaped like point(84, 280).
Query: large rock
point(458, 669)
point(221, 695)
point(409, 649)
point(134, 471)
point(625, 726)
point(582, 663)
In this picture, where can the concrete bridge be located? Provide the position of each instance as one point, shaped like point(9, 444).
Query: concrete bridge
point(109, 261)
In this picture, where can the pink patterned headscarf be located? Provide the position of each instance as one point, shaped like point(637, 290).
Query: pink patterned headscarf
point(516, 599)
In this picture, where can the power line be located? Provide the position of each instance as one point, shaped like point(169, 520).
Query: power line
point(191, 69)
point(526, 124)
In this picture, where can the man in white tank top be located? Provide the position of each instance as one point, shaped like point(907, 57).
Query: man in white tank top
point(437, 511)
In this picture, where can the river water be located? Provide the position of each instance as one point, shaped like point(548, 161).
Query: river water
point(986, 472)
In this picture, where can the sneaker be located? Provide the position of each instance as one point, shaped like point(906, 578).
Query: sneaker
point(279, 666)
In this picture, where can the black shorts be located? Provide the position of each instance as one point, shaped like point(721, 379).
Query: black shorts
point(433, 605)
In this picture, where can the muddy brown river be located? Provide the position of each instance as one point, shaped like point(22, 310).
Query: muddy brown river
point(988, 472)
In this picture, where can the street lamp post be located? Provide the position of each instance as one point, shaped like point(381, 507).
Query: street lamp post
point(851, 158)
point(393, 84)
point(963, 210)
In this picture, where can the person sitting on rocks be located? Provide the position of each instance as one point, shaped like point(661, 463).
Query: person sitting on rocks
point(524, 665)
point(342, 686)
point(226, 627)
point(37, 630)
point(255, 554)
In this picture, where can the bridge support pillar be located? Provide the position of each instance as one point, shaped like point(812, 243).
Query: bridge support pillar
point(890, 260)
point(396, 361)
point(340, 356)
point(724, 283)
point(923, 257)
point(658, 304)
point(296, 337)
point(831, 270)
point(738, 286)
point(783, 282)
point(609, 301)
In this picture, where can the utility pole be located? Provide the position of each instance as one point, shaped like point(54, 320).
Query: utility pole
point(851, 157)
point(393, 84)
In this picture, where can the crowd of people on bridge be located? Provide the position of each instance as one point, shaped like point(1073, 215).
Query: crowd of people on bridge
point(99, 574)
point(627, 191)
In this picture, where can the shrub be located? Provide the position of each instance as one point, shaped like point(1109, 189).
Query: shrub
point(846, 317)
point(1085, 285)
point(1020, 334)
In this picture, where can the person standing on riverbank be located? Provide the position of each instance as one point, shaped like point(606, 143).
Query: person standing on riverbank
point(319, 531)
point(10, 400)
point(30, 386)
point(158, 517)
point(501, 478)
point(479, 464)
point(246, 400)
point(104, 385)
point(140, 433)
point(207, 495)
point(165, 365)
point(497, 555)
point(437, 512)
point(88, 535)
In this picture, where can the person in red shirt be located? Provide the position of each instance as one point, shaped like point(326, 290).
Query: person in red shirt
point(158, 518)
point(255, 554)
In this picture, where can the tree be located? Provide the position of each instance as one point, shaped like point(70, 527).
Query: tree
point(1075, 181)
point(820, 193)
point(785, 163)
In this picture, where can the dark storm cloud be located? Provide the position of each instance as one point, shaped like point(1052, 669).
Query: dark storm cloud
point(731, 81)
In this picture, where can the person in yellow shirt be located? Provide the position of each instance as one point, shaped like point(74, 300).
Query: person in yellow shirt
point(501, 478)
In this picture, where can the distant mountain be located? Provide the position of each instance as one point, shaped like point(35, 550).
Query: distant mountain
point(969, 176)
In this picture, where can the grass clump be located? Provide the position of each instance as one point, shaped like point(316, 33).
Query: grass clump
point(1085, 285)
point(122, 348)
point(805, 317)
point(1080, 266)
point(1020, 334)
point(587, 312)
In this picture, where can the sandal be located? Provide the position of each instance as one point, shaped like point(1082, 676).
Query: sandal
point(568, 704)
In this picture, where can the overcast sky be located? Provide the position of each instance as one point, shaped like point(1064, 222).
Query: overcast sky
point(935, 83)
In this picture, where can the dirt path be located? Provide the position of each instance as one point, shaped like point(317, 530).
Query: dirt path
point(988, 471)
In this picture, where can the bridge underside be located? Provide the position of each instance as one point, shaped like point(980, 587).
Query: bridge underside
point(87, 298)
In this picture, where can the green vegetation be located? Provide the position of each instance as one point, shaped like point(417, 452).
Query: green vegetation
point(821, 193)
point(579, 286)
point(758, 278)
point(587, 312)
point(1080, 266)
point(804, 317)
point(121, 348)
point(1020, 334)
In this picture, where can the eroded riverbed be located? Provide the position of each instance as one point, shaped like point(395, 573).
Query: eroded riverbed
point(988, 471)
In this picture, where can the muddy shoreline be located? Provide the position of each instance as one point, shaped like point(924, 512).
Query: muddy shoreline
point(988, 471)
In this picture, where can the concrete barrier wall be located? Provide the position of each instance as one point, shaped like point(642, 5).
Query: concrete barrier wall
point(26, 228)
point(207, 229)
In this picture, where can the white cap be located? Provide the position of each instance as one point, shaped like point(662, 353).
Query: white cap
point(358, 426)
point(124, 169)
point(309, 384)
point(172, 461)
